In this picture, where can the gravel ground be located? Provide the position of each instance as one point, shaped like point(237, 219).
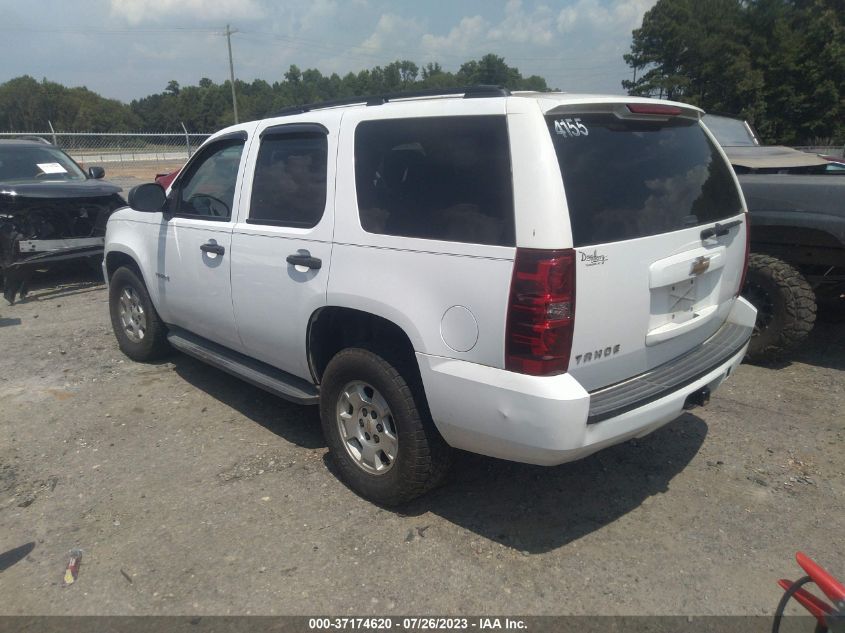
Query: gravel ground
point(191, 492)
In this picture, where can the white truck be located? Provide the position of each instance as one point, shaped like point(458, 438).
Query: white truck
point(530, 276)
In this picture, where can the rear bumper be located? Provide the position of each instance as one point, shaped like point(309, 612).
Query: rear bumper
point(552, 420)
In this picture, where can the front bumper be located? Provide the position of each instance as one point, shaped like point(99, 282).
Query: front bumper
point(552, 420)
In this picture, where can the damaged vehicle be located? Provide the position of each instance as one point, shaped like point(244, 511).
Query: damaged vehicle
point(51, 211)
point(796, 201)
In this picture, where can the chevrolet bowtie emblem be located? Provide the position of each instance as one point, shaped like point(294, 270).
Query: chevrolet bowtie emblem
point(700, 265)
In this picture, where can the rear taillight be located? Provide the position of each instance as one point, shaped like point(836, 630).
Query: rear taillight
point(541, 312)
point(657, 109)
point(747, 253)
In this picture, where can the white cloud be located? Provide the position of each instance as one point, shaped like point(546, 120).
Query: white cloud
point(621, 16)
point(318, 13)
point(139, 11)
point(392, 33)
point(574, 44)
point(519, 26)
point(466, 36)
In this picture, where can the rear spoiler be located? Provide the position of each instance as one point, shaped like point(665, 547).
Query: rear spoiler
point(633, 110)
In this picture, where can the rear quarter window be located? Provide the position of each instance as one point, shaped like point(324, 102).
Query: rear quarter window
point(439, 178)
point(626, 179)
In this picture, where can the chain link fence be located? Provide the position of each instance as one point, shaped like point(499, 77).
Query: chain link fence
point(122, 152)
point(160, 152)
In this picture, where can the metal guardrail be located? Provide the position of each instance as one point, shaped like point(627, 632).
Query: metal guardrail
point(120, 147)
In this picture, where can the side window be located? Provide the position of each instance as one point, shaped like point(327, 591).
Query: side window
point(208, 189)
point(440, 178)
point(289, 188)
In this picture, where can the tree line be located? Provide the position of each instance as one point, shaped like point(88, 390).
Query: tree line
point(778, 63)
point(26, 105)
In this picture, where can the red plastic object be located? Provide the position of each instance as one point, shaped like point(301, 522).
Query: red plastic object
point(818, 608)
point(165, 179)
point(828, 585)
point(541, 312)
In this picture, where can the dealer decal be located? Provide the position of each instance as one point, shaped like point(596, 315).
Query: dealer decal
point(593, 259)
point(568, 128)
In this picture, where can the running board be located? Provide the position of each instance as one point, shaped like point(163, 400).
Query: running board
point(255, 372)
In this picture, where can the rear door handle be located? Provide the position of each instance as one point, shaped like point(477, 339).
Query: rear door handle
point(305, 259)
point(719, 229)
point(211, 247)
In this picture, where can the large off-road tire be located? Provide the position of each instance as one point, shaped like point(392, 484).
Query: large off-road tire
point(786, 306)
point(140, 333)
point(378, 428)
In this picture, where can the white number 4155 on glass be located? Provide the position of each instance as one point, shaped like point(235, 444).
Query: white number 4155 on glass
point(571, 127)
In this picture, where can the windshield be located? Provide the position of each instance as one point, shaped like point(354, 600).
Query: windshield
point(26, 163)
point(626, 179)
point(729, 132)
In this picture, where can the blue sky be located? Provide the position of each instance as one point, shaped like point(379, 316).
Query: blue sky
point(130, 48)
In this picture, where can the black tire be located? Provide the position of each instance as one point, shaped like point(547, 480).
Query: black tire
point(786, 307)
point(153, 345)
point(423, 457)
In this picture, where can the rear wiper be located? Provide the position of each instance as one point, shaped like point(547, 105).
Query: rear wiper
point(719, 229)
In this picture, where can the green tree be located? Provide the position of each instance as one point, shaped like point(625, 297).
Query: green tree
point(778, 63)
point(27, 105)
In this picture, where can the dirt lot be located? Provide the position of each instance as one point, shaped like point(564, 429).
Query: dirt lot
point(191, 492)
point(132, 173)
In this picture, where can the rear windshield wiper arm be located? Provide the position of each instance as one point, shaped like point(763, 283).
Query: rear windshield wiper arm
point(719, 229)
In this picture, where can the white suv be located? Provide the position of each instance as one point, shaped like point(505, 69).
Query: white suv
point(531, 276)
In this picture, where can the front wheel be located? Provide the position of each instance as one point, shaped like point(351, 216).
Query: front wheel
point(140, 333)
point(378, 428)
point(786, 306)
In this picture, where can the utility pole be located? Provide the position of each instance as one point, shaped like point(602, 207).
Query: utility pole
point(232, 70)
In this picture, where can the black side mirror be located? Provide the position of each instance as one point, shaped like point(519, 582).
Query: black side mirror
point(96, 172)
point(148, 197)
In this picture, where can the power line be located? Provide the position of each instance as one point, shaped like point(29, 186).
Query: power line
point(344, 48)
point(562, 64)
point(90, 31)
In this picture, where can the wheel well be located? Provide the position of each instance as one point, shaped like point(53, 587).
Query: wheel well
point(116, 259)
point(333, 328)
point(799, 246)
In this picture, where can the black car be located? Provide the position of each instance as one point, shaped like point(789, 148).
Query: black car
point(51, 211)
point(797, 206)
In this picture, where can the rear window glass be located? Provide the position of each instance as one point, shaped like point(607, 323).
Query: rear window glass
point(439, 178)
point(627, 179)
point(729, 132)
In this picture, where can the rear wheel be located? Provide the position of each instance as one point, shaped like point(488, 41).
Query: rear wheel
point(786, 306)
point(140, 332)
point(378, 429)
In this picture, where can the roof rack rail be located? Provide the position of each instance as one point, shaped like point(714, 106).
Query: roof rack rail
point(469, 92)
